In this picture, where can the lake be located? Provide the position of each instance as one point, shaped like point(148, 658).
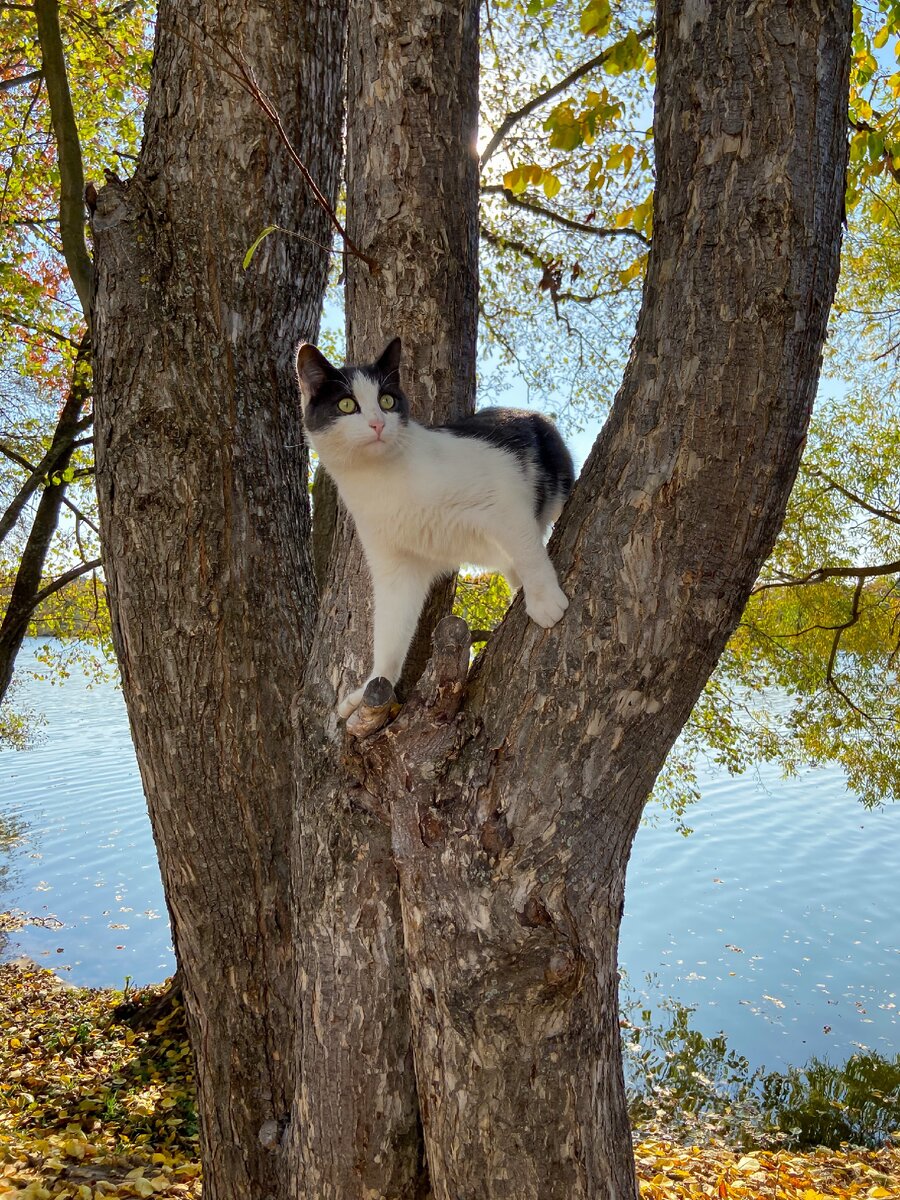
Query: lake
point(778, 918)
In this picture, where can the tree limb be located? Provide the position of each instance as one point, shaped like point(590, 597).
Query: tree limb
point(39, 473)
point(542, 98)
point(71, 171)
point(26, 591)
point(7, 85)
point(822, 573)
point(887, 514)
point(497, 189)
point(66, 578)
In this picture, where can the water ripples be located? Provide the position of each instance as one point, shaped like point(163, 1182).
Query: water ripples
point(779, 917)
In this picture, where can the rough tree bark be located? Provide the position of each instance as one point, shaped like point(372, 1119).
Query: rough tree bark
point(512, 820)
point(201, 479)
point(512, 847)
point(504, 803)
point(412, 206)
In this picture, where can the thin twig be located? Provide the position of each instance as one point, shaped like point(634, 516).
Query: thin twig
point(497, 189)
point(887, 514)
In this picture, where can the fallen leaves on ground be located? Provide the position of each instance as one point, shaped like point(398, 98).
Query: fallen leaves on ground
point(92, 1108)
point(671, 1172)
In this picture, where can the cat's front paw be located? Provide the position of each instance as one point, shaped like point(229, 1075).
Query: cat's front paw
point(350, 703)
point(546, 605)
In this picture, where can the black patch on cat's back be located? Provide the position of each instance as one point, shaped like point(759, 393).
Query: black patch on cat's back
point(533, 439)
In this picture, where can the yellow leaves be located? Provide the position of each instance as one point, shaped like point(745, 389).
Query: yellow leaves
point(670, 1172)
point(635, 271)
point(551, 184)
point(626, 55)
point(596, 18)
point(520, 178)
point(62, 1138)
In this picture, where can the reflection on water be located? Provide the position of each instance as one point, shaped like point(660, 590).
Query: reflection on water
point(777, 920)
point(694, 1086)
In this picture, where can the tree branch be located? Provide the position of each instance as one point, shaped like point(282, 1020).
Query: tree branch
point(551, 93)
point(822, 573)
point(839, 633)
point(71, 171)
point(887, 514)
point(7, 85)
point(66, 578)
point(37, 477)
point(80, 516)
point(497, 189)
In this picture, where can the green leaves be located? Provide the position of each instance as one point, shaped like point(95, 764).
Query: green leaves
point(596, 19)
point(626, 55)
point(249, 255)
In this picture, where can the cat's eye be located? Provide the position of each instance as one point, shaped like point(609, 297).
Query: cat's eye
point(387, 402)
point(347, 404)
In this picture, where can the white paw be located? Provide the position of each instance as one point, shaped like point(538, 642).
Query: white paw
point(545, 605)
point(351, 703)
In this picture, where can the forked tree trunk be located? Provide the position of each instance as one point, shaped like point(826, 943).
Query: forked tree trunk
point(495, 817)
point(201, 479)
point(512, 821)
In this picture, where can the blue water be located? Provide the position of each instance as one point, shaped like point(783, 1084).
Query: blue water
point(779, 917)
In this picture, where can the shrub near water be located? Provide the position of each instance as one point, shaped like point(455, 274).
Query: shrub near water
point(91, 1107)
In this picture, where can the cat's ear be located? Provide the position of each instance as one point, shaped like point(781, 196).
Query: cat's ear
point(313, 368)
point(389, 363)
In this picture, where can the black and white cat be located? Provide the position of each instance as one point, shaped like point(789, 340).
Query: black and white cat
point(483, 490)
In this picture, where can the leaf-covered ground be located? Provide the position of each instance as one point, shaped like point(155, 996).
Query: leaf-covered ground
point(91, 1107)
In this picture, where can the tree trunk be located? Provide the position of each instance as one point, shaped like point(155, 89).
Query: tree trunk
point(512, 843)
point(202, 481)
point(412, 196)
point(25, 596)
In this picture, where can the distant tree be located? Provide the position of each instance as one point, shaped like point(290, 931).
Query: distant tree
point(46, 458)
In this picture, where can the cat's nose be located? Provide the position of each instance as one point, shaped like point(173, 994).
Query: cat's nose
point(377, 425)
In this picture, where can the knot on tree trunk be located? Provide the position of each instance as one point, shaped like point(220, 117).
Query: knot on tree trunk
point(388, 757)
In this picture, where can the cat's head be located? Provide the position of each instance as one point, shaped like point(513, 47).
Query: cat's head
point(353, 413)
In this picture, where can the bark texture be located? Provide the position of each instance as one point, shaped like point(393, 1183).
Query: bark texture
point(513, 823)
point(201, 479)
point(412, 206)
